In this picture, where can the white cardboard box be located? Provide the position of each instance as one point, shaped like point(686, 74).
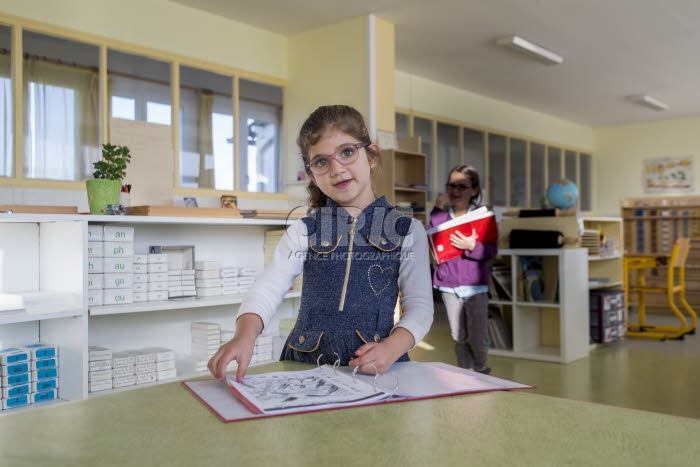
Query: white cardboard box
point(118, 281)
point(122, 371)
point(157, 276)
point(95, 233)
point(207, 274)
point(100, 385)
point(95, 281)
point(118, 296)
point(118, 265)
point(206, 265)
point(98, 365)
point(156, 296)
point(166, 374)
point(158, 267)
point(158, 258)
point(127, 380)
point(140, 277)
point(143, 378)
point(99, 375)
point(96, 249)
point(140, 296)
point(119, 233)
point(122, 359)
point(99, 353)
point(118, 249)
point(140, 259)
point(158, 287)
point(96, 265)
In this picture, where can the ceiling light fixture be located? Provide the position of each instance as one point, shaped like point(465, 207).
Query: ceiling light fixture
point(649, 101)
point(533, 50)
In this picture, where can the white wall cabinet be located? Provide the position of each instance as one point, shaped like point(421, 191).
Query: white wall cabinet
point(44, 258)
point(554, 325)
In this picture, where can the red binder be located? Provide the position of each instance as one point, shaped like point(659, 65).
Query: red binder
point(482, 220)
point(419, 380)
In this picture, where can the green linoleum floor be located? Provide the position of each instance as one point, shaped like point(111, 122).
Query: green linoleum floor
point(637, 373)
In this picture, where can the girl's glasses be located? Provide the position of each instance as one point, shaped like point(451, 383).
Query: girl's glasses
point(456, 186)
point(346, 154)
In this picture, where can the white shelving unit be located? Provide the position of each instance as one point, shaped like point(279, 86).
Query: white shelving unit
point(556, 328)
point(45, 258)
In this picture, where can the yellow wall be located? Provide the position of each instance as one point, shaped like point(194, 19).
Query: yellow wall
point(327, 65)
point(423, 95)
point(165, 26)
point(621, 151)
point(385, 58)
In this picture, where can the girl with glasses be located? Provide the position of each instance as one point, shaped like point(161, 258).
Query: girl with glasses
point(357, 254)
point(463, 281)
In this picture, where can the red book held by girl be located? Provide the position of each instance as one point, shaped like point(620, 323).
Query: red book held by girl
point(482, 220)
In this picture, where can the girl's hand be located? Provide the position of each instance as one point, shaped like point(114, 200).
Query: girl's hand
point(442, 201)
point(458, 240)
point(238, 349)
point(374, 355)
point(376, 358)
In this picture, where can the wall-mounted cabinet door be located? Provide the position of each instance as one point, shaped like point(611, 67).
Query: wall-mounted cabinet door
point(584, 182)
point(554, 165)
point(538, 187)
point(424, 128)
point(475, 151)
point(448, 151)
point(498, 174)
point(518, 172)
point(401, 124)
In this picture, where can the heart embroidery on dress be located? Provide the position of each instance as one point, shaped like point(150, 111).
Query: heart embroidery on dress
point(379, 279)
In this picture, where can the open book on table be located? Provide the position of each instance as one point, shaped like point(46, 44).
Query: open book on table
point(481, 220)
point(328, 388)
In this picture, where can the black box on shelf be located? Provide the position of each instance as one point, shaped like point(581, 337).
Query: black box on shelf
point(607, 315)
point(606, 300)
point(605, 335)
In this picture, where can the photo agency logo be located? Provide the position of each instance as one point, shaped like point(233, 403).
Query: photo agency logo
point(332, 227)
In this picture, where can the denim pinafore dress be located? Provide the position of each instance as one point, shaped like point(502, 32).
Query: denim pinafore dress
point(350, 284)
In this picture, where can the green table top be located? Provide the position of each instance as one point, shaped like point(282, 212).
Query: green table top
point(165, 425)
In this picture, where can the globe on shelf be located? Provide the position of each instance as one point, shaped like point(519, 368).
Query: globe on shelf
point(563, 194)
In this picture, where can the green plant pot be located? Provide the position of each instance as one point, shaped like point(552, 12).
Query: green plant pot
point(101, 193)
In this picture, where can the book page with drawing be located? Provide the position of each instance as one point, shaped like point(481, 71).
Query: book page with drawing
point(294, 391)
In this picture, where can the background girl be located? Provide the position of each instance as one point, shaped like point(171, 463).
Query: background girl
point(463, 281)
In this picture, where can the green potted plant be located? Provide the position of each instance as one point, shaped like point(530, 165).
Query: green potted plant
point(109, 174)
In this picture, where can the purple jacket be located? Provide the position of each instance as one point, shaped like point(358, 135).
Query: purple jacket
point(472, 268)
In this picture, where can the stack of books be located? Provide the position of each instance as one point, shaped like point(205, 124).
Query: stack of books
point(206, 340)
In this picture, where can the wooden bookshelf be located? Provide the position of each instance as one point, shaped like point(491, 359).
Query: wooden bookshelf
point(402, 178)
point(651, 226)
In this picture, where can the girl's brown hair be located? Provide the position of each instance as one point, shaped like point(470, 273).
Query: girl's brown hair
point(473, 178)
point(341, 117)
